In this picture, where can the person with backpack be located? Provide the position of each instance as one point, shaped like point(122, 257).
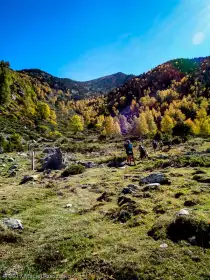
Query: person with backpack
point(142, 151)
point(154, 145)
point(129, 151)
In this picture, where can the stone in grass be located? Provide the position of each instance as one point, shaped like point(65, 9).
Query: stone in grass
point(183, 212)
point(104, 197)
point(131, 188)
point(194, 231)
point(10, 159)
point(12, 173)
point(155, 178)
point(164, 245)
point(12, 223)
point(124, 216)
point(154, 186)
point(28, 178)
point(69, 205)
point(124, 200)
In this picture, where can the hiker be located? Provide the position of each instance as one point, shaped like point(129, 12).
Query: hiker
point(143, 152)
point(129, 151)
point(154, 144)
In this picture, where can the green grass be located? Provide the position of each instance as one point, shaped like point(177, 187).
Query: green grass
point(85, 241)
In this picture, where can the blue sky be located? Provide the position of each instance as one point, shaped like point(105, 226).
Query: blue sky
point(86, 39)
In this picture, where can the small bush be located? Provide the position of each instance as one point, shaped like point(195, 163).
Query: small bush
point(73, 170)
point(80, 148)
point(48, 257)
point(8, 236)
point(54, 135)
point(43, 128)
point(194, 161)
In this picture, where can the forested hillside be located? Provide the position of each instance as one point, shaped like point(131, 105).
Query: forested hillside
point(80, 90)
point(173, 95)
point(173, 98)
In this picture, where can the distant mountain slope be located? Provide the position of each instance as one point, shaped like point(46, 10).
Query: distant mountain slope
point(80, 90)
point(185, 76)
point(107, 83)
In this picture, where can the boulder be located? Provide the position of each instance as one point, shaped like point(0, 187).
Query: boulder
point(53, 161)
point(155, 178)
point(12, 223)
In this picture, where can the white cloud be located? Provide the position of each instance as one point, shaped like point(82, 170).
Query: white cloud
point(198, 38)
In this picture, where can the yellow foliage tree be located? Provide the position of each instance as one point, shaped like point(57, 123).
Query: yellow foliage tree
point(141, 125)
point(167, 124)
point(151, 123)
point(202, 122)
point(109, 126)
point(76, 123)
point(100, 121)
point(43, 110)
point(195, 129)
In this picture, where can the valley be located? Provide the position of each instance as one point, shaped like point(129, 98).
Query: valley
point(103, 223)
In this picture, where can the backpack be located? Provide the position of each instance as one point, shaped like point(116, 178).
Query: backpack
point(129, 147)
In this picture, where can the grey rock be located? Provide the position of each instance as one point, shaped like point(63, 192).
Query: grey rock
point(131, 188)
point(53, 161)
point(88, 164)
point(69, 205)
point(15, 166)
point(154, 186)
point(28, 178)
point(60, 193)
point(12, 223)
point(155, 178)
point(164, 245)
point(10, 159)
point(183, 212)
point(12, 173)
point(162, 156)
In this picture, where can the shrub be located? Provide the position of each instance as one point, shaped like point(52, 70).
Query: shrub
point(48, 257)
point(54, 134)
point(42, 128)
point(8, 236)
point(80, 148)
point(181, 129)
point(73, 170)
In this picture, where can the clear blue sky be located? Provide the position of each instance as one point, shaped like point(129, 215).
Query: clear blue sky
point(86, 39)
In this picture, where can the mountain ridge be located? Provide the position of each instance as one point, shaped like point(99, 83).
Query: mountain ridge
point(80, 89)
